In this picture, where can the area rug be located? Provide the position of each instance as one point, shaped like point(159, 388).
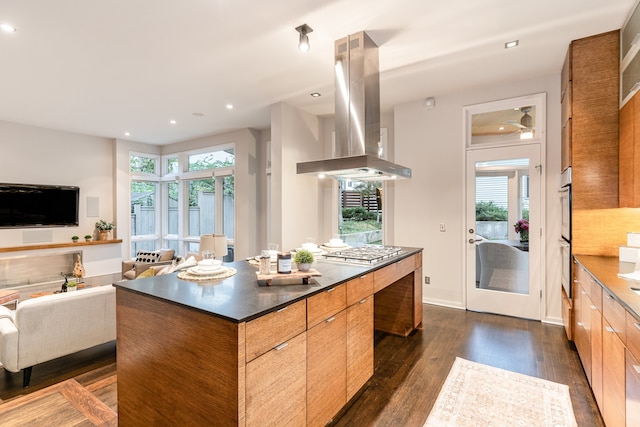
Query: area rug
point(479, 395)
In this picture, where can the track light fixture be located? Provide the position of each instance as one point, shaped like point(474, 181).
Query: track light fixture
point(303, 44)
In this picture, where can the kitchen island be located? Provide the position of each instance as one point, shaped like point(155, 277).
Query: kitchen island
point(238, 352)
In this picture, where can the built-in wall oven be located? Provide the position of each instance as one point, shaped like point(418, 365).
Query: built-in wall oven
point(565, 240)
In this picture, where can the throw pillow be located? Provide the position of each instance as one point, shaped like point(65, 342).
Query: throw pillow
point(146, 256)
point(166, 254)
point(147, 273)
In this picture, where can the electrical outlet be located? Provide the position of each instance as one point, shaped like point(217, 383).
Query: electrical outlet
point(442, 227)
point(427, 280)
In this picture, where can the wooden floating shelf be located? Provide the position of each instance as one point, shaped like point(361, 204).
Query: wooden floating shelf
point(59, 245)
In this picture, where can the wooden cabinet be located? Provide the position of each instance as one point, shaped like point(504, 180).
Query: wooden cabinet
point(632, 388)
point(325, 304)
point(590, 96)
point(566, 106)
point(629, 160)
point(405, 291)
point(582, 316)
point(276, 385)
point(359, 344)
point(268, 331)
point(613, 377)
point(596, 354)
point(359, 288)
point(326, 369)
point(567, 312)
point(633, 335)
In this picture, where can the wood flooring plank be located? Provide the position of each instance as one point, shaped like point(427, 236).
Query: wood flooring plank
point(408, 372)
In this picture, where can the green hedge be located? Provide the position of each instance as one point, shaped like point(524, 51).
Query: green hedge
point(358, 214)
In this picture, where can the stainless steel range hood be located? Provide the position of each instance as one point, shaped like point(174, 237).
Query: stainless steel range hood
point(357, 116)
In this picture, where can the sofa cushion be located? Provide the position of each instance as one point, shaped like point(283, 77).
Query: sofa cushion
point(166, 254)
point(147, 273)
point(129, 275)
point(146, 256)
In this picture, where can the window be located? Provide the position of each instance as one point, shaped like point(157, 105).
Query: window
point(144, 196)
point(506, 122)
point(502, 197)
point(360, 219)
point(194, 196)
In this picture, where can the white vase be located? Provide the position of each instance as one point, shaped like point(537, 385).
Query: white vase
point(71, 288)
point(304, 267)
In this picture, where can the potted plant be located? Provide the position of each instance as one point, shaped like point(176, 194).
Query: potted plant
point(88, 237)
point(75, 239)
point(303, 258)
point(72, 286)
point(104, 229)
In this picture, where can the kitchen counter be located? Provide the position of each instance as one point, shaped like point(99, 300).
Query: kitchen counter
point(605, 270)
point(241, 297)
point(236, 352)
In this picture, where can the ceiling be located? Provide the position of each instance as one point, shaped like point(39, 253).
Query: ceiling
point(108, 67)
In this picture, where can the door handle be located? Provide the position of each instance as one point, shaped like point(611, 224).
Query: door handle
point(472, 241)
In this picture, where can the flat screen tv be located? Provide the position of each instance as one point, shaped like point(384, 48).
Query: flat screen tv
point(26, 205)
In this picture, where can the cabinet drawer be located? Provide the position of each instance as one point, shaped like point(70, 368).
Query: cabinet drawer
point(615, 314)
point(391, 273)
point(596, 294)
point(633, 335)
point(270, 330)
point(326, 304)
point(360, 288)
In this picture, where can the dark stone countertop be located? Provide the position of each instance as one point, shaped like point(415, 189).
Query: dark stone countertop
point(605, 270)
point(241, 297)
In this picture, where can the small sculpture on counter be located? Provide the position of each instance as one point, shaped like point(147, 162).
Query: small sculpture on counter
point(64, 285)
point(78, 270)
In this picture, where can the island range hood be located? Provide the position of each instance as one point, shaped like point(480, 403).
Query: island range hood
point(357, 117)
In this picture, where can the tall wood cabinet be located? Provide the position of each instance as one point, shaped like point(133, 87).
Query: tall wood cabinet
point(629, 162)
point(590, 102)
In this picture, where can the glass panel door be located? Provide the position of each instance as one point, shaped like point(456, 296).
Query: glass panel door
point(503, 190)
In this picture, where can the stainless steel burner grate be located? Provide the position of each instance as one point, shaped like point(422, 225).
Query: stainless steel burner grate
point(364, 254)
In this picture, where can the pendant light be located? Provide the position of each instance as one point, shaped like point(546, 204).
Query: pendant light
point(303, 43)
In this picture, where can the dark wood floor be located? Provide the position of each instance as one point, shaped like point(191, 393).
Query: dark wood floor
point(408, 371)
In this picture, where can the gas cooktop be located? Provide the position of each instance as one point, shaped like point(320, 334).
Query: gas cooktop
point(364, 254)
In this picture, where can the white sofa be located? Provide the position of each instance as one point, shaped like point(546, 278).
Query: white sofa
point(44, 328)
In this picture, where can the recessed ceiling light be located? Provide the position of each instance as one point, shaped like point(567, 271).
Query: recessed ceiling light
point(229, 106)
point(127, 134)
point(7, 28)
point(509, 45)
point(316, 94)
point(173, 122)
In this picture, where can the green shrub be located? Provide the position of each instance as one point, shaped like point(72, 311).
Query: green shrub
point(358, 214)
point(488, 211)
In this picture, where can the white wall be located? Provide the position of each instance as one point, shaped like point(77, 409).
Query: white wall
point(295, 137)
point(32, 155)
point(431, 143)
